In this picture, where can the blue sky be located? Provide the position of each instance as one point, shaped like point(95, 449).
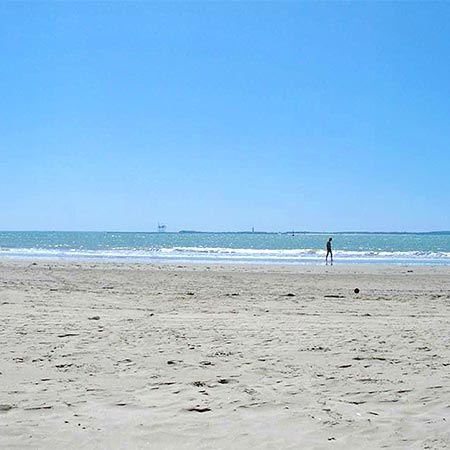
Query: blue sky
point(225, 116)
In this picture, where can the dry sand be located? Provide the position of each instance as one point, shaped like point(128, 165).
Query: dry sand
point(129, 356)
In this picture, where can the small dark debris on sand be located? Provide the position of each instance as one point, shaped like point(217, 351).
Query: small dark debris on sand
point(200, 409)
point(6, 407)
point(35, 408)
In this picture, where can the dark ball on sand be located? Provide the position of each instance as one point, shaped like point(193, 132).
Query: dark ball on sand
point(356, 291)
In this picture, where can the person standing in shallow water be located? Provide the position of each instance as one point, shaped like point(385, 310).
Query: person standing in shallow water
point(329, 252)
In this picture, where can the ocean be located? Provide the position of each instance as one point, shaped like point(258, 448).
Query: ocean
point(257, 248)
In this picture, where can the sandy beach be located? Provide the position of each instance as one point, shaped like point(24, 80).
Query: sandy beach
point(131, 356)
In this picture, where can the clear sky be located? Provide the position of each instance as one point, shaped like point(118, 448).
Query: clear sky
point(225, 116)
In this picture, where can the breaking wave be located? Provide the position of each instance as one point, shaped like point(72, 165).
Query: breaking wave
point(231, 255)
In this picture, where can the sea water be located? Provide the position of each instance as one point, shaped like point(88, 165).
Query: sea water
point(259, 248)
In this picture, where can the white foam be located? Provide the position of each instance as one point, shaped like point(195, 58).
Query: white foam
point(211, 254)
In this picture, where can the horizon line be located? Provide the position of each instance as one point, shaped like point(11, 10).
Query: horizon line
point(231, 232)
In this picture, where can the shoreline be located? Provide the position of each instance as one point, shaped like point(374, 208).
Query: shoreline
point(224, 262)
point(223, 265)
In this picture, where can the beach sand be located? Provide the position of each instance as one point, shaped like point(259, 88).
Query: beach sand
point(131, 356)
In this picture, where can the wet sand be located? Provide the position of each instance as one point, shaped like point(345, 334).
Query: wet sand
point(130, 356)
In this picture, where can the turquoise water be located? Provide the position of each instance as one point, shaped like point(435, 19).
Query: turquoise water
point(284, 248)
